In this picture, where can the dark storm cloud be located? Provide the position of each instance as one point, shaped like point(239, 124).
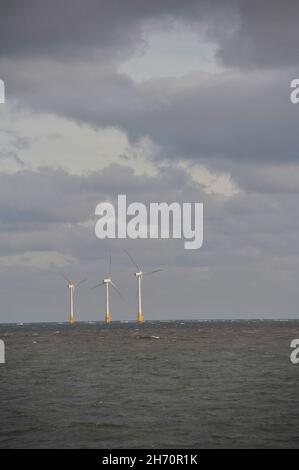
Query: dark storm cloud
point(267, 35)
point(242, 117)
point(239, 117)
point(248, 33)
point(75, 27)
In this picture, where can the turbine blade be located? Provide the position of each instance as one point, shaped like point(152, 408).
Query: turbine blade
point(134, 262)
point(98, 285)
point(110, 266)
point(148, 273)
point(81, 282)
point(64, 277)
point(116, 288)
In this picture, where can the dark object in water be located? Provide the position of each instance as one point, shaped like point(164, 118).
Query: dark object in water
point(147, 337)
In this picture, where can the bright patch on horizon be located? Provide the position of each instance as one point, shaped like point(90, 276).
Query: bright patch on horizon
point(37, 259)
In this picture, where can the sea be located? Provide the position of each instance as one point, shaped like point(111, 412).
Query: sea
point(171, 384)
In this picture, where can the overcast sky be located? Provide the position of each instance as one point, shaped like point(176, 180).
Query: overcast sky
point(162, 101)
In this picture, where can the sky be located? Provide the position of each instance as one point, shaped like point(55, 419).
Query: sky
point(161, 101)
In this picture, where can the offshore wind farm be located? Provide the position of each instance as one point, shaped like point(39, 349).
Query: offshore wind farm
point(107, 282)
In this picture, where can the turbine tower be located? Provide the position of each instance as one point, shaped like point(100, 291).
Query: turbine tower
point(72, 288)
point(72, 291)
point(108, 281)
point(139, 275)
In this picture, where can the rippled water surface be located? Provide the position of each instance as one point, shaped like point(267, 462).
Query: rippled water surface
point(163, 384)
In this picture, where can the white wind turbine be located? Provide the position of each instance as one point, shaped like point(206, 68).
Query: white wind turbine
point(108, 281)
point(72, 288)
point(139, 275)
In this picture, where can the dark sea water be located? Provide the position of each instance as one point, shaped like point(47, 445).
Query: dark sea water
point(200, 385)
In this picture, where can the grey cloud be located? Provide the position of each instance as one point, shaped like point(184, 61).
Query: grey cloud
point(243, 117)
point(31, 200)
point(79, 28)
point(51, 206)
point(21, 142)
point(11, 155)
point(250, 244)
point(273, 179)
point(267, 35)
point(251, 34)
point(231, 116)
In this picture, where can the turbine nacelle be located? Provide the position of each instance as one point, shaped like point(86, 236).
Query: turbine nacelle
point(107, 281)
point(139, 274)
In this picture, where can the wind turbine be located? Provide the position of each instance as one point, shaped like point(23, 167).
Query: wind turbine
point(72, 288)
point(108, 281)
point(139, 275)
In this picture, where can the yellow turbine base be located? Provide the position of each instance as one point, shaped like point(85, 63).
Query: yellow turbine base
point(107, 318)
point(140, 318)
point(72, 319)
